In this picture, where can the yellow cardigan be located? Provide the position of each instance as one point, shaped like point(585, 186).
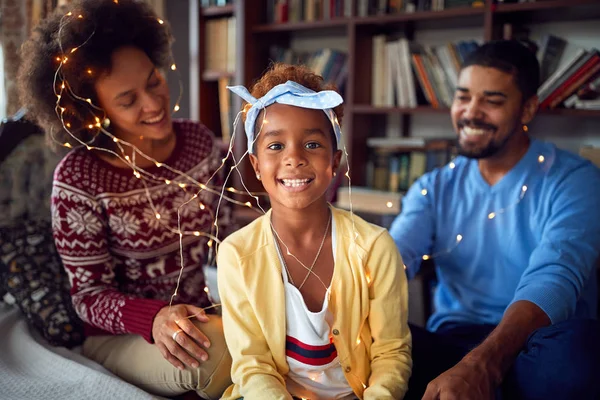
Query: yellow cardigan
point(368, 301)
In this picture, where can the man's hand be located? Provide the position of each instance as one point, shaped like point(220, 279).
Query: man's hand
point(467, 380)
point(179, 348)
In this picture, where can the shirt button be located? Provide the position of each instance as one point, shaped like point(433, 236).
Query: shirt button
point(336, 332)
point(348, 369)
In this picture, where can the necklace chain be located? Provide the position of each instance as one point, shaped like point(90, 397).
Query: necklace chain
point(310, 270)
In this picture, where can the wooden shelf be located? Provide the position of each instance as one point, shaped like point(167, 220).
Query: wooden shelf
point(302, 26)
point(420, 15)
point(542, 5)
point(548, 11)
point(213, 76)
point(369, 109)
point(217, 11)
point(374, 20)
point(574, 112)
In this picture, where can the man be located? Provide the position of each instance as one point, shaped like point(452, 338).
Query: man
point(513, 227)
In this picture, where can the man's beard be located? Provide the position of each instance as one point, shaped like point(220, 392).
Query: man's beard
point(492, 147)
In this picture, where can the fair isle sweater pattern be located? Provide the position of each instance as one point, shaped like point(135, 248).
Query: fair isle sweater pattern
point(122, 261)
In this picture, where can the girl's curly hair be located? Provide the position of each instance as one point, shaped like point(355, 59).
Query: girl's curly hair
point(83, 36)
point(280, 73)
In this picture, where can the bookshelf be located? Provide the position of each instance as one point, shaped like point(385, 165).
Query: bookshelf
point(362, 120)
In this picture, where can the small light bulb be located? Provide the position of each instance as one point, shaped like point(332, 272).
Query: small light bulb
point(137, 174)
point(202, 207)
point(182, 185)
point(389, 204)
point(368, 279)
point(62, 86)
point(358, 341)
point(173, 67)
point(89, 100)
point(127, 158)
point(426, 257)
point(80, 16)
point(115, 139)
point(68, 125)
point(404, 266)
point(248, 204)
point(90, 126)
point(64, 61)
point(160, 21)
point(424, 192)
point(168, 182)
point(230, 189)
point(458, 238)
point(210, 243)
point(88, 147)
point(159, 164)
point(67, 144)
point(452, 165)
point(541, 159)
point(157, 216)
point(89, 71)
point(176, 108)
point(58, 59)
point(524, 188)
point(491, 215)
point(73, 50)
point(206, 289)
point(69, 14)
point(196, 233)
point(180, 234)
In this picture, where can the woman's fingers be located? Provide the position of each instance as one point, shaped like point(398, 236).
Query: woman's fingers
point(168, 356)
point(176, 349)
point(197, 312)
point(190, 341)
point(192, 331)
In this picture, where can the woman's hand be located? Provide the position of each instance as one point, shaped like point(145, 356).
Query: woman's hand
point(177, 338)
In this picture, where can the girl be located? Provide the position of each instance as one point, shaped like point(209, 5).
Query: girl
point(115, 244)
point(314, 298)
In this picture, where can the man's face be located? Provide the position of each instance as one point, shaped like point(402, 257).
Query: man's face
point(487, 111)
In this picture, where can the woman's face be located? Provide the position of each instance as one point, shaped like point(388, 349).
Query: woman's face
point(135, 97)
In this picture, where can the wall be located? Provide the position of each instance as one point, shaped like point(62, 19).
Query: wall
point(177, 14)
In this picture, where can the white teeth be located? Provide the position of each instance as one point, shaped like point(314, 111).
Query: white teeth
point(295, 182)
point(155, 119)
point(472, 131)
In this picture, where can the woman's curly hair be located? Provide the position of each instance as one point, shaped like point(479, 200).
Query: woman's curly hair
point(85, 34)
point(280, 73)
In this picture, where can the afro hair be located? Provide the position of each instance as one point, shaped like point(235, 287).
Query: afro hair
point(80, 40)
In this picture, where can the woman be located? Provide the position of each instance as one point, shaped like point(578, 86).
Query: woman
point(91, 77)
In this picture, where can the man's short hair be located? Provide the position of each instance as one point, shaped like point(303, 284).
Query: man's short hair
point(512, 57)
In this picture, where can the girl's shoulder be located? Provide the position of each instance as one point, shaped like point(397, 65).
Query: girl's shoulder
point(251, 237)
point(351, 225)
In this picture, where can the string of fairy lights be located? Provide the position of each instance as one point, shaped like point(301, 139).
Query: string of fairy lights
point(191, 186)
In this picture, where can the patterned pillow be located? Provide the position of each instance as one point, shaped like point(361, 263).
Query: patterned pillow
point(32, 273)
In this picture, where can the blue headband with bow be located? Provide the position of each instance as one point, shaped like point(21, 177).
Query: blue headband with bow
point(292, 94)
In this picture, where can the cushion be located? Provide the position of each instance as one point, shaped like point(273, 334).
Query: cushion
point(32, 273)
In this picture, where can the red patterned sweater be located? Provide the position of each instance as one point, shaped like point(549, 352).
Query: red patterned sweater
point(122, 261)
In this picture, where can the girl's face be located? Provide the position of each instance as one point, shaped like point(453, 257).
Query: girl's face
point(135, 97)
point(294, 156)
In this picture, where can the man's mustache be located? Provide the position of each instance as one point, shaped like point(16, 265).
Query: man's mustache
point(475, 124)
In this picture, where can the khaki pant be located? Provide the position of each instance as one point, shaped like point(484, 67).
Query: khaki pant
point(136, 361)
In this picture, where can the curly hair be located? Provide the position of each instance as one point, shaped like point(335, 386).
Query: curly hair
point(280, 73)
point(80, 39)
